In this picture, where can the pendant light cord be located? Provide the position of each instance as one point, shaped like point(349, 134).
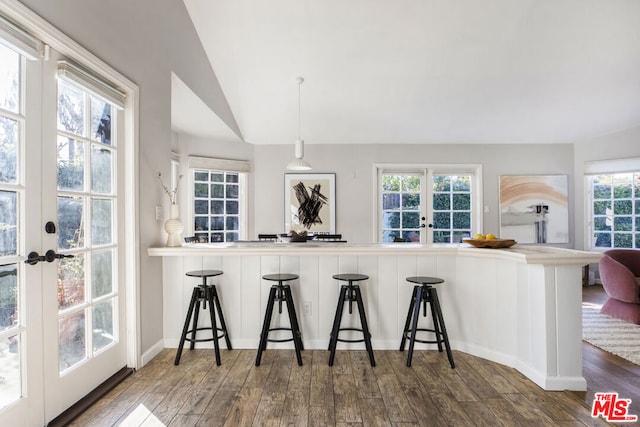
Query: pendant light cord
point(300, 81)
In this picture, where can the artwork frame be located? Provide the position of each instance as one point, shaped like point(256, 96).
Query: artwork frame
point(534, 208)
point(318, 208)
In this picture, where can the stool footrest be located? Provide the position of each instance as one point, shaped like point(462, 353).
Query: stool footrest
point(408, 336)
point(222, 335)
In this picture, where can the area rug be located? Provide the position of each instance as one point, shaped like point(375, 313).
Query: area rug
point(612, 335)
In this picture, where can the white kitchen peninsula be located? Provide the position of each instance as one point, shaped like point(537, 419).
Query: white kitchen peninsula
point(519, 306)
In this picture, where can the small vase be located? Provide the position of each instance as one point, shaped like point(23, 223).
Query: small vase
point(173, 226)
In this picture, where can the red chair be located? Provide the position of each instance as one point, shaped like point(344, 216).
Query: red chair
point(620, 274)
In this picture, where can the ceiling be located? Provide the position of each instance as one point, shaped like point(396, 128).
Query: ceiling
point(422, 71)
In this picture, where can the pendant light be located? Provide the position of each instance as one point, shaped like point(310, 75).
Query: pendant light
point(299, 163)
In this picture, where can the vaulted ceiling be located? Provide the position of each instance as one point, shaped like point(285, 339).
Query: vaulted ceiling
point(424, 71)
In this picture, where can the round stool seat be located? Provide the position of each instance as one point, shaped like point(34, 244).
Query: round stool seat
point(204, 273)
point(280, 277)
point(425, 280)
point(350, 277)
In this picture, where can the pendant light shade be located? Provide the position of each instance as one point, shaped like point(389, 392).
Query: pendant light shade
point(299, 163)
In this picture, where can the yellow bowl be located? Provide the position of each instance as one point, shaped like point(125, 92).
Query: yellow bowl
point(491, 243)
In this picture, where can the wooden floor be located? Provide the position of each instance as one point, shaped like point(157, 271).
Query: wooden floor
point(351, 393)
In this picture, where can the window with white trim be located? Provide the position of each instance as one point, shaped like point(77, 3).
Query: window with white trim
point(219, 199)
point(613, 209)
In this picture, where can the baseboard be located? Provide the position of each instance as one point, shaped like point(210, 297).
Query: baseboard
point(152, 352)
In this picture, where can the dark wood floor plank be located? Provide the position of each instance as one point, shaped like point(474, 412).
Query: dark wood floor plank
point(528, 409)
point(244, 406)
point(451, 410)
point(268, 414)
point(321, 381)
point(364, 376)
point(424, 408)
point(296, 408)
point(345, 398)
point(374, 413)
point(394, 399)
point(321, 416)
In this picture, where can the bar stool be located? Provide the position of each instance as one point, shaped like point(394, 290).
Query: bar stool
point(425, 293)
point(280, 292)
point(205, 293)
point(350, 292)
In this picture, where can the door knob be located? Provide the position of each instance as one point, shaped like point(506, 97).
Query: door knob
point(33, 258)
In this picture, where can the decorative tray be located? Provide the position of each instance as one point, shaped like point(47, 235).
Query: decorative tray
point(491, 243)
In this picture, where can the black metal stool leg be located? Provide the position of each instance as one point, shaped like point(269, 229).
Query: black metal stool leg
point(414, 327)
point(295, 329)
point(335, 330)
point(436, 302)
point(365, 326)
point(196, 317)
point(434, 316)
point(185, 329)
point(223, 324)
point(408, 321)
point(214, 326)
point(267, 323)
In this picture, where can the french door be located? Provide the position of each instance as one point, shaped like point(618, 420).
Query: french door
point(62, 310)
point(427, 204)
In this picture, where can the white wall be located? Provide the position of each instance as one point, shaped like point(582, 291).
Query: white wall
point(353, 165)
point(144, 41)
point(617, 145)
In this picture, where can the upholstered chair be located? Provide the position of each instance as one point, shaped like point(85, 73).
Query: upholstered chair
point(620, 274)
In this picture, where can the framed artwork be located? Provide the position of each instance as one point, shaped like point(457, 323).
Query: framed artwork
point(534, 208)
point(310, 202)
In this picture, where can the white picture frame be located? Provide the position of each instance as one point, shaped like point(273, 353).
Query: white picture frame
point(310, 202)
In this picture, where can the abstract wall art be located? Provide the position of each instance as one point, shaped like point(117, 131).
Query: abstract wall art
point(534, 208)
point(310, 202)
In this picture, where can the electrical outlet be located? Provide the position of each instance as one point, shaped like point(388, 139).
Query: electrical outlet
point(306, 309)
point(159, 213)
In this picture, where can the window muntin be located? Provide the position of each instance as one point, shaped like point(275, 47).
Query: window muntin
point(615, 208)
point(217, 205)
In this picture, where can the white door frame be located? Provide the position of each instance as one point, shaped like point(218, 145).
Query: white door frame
point(53, 37)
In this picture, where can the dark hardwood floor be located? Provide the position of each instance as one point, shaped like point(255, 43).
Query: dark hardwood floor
point(605, 371)
point(351, 393)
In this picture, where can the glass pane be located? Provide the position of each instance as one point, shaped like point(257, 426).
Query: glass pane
point(622, 223)
point(231, 223)
point(201, 190)
point(70, 221)
point(203, 237)
point(101, 121)
point(217, 237)
point(217, 177)
point(101, 221)
point(622, 207)
point(602, 240)
point(70, 164)
point(72, 341)
point(441, 202)
point(9, 79)
point(232, 177)
point(441, 220)
point(601, 192)
point(10, 370)
point(389, 235)
point(410, 219)
point(101, 273)
point(461, 183)
point(410, 201)
point(70, 281)
point(217, 191)
point(201, 176)
point(391, 219)
point(101, 167)
point(411, 184)
point(201, 207)
point(601, 223)
point(8, 223)
point(459, 235)
point(71, 108)
point(217, 223)
point(391, 183)
point(461, 220)
point(622, 191)
point(441, 237)
point(217, 207)
point(390, 201)
point(231, 207)
point(8, 296)
point(9, 131)
point(622, 240)
point(461, 202)
point(232, 191)
point(232, 236)
point(201, 223)
point(103, 325)
point(601, 207)
point(411, 236)
point(441, 183)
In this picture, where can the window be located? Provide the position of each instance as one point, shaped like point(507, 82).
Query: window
point(219, 199)
point(428, 205)
point(615, 210)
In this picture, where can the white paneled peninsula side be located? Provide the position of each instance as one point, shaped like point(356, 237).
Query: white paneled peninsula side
point(519, 306)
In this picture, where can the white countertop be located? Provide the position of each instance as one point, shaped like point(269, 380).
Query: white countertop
point(528, 254)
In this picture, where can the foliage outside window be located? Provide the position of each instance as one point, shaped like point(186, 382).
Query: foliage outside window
point(451, 208)
point(401, 207)
point(216, 205)
point(616, 210)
